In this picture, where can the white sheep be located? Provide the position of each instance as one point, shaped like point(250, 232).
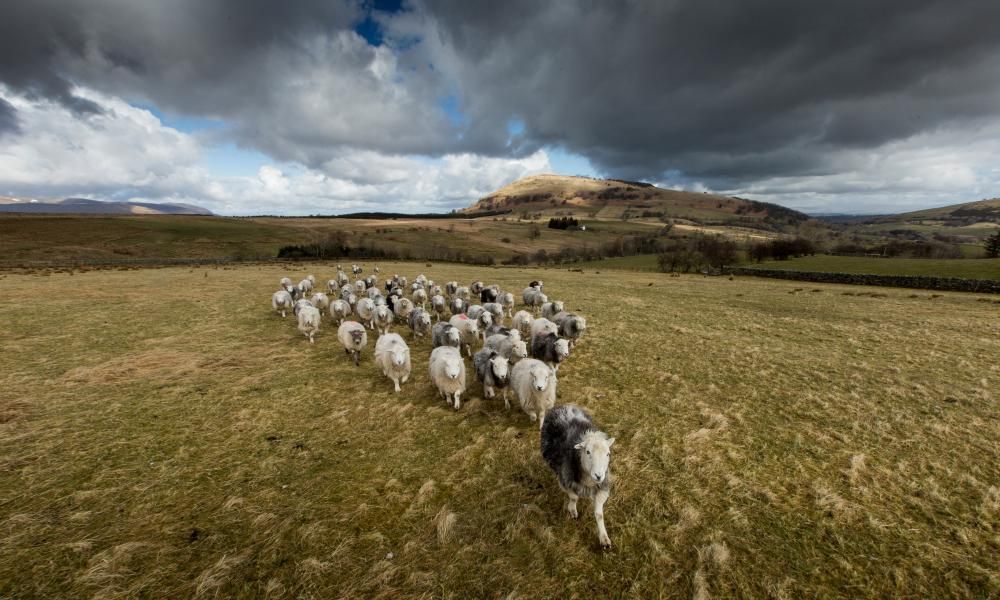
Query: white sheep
point(551, 308)
point(333, 286)
point(506, 300)
point(305, 287)
point(447, 371)
point(535, 385)
point(495, 309)
point(353, 337)
point(309, 320)
point(393, 356)
point(285, 282)
point(340, 310)
point(402, 307)
point(281, 301)
point(522, 321)
point(468, 328)
point(513, 349)
point(383, 319)
point(320, 301)
point(420, 297)
point(439, 304)
point(365, 309)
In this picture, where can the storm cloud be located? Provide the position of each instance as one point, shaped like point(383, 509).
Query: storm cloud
point(770, 96)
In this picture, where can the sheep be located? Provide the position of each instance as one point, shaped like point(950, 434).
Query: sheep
point(420, 297)
point(393, 356)
point(469, 329)
point(342, 278)
point(285, 282)
point(485, 321)
point(299, 305)
point(334, 286)
point(281, 301)
point(535, 385)
point(376, 269)
point(551, 349)
point(506, 300)
point(359, 286)
point(365, 308)
point(340, 310)
point(542, 326)
point(439, 305)
point(489, 294)
point(476, 287)
point(403, 307)
point(402, 282)
point(353, 337)
point(447, 371)
point(496, 328)
point(536, 284)
point(444, 334)
point(493, 372)
point(309, 320)
point(312, 279)
point(352, 300)
point(294, 291)
point(463, 293)
point(451, 287)
point(510, 348)
point(534, 298)
point(457, 306)
point(420, 322)
point(551, 308)
point(383, 319)
point(580, 455)
point(356, 269)
point(371, 281)
point(572, 327)
point(496, 310)
point(435, 290)
point(522, 322)
point(474, 311)
point(320, 301)
point(305, 287)
point(346, 291)
point(372, 292)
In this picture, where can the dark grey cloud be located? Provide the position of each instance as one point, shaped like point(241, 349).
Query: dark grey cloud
point(718, 89)
point(8, 118)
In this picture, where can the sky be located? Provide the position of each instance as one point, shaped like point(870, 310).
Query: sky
point(333, 106)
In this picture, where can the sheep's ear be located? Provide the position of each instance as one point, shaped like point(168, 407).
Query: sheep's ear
point(579, 446)
point(611, 442)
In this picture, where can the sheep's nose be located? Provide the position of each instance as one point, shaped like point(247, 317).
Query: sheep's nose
point(598, 478)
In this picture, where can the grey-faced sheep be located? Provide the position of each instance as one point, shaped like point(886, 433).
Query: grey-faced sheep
point(506, 300)
point(469, 329)
point(281, 301)
point(365, 308)
point(551, 308)
point(476, 287)
point(496, 310)
point(340, 310)
point(580, 455)
point(535, 385)
point(353, 338)
point(542, 326)
point(443, 334)
point(320, 301)
point(420, 297)
point(572, 327)
point(510, 348)
point(447, 371)
point(522, 321)
point(393, 356)
point(457, 306)
point(534, 298)
point(439, 305)
point(420, 322)
point(383, 319)
point(372, 293)
point(493, 371)
point(309, 319)
point(451, 287)
point(402, 307)
point(474, 311)
point(550, 348)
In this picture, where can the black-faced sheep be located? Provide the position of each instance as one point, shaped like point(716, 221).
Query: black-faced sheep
point(550, 348)
point(493, 371)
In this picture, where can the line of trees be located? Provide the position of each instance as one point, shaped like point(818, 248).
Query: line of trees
point(781, 249)
point(992, 245)
point(563, 223)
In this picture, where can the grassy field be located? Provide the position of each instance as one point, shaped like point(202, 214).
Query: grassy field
point(164, 434)
point(640, 262)
point(967, 268)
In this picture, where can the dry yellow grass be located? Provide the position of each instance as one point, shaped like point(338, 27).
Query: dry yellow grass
point(164, 434)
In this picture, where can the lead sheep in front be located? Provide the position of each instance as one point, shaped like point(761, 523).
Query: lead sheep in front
point(392, 355)
point(580, 455)
point(535, 385)
point(447, 371)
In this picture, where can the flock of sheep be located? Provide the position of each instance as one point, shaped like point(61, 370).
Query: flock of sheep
point(576, 450)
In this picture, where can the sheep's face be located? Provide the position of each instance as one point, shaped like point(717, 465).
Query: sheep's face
point(485, 319)
point(473, 328)
point(357, 336)
point(399, 356)
point(540, 378)
point(519, 349)
point(452, 367)
point(500, 367)
point(562, 349)
point(557, 306)
point(424, 320)
point(542, 298)
point(514, 334)
point(454, 337)
point(595, 455)
point(382, 312)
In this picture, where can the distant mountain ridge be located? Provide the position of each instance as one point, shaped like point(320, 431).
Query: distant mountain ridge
point(553, 195)
point(97, 207)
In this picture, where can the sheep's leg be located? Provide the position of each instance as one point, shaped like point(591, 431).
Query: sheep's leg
point(405, 377)
point(506, 402)
point(602, 533)
point(395, 382)
point(571, 504)
point(541, 419)
point(458, 402)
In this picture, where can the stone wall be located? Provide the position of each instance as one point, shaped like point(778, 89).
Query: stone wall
point(953, 284)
